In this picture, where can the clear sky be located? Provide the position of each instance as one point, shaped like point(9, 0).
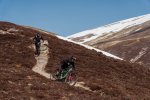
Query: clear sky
point(66, 17)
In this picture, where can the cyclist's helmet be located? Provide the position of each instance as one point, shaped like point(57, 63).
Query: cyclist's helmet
point(73, 58)
point(38, 34)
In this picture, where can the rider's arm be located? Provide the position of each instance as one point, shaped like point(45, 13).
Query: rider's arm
point(72, 65)
point(42, 39)
point(34, 39)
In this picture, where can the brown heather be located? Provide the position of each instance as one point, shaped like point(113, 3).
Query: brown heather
point(108, 77)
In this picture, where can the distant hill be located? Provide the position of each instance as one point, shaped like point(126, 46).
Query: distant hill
point(127, 39)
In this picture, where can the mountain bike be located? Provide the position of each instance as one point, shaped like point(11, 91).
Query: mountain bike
point(68, 76)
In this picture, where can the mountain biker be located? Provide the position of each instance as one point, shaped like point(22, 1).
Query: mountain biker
point(37, 41)
point(67, 63)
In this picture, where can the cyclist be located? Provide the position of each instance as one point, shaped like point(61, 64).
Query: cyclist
point(37, 41)
point(66, 64)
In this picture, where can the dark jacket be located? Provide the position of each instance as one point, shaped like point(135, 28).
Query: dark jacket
point(65, 64)
point(37, 39)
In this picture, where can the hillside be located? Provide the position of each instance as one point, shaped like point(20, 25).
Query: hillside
point(108, 78)
point(127, 39)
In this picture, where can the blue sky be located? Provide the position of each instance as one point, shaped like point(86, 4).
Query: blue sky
point(66, 17)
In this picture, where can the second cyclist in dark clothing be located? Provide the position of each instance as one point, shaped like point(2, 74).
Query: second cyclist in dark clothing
point(65, 64)
point(37, 41)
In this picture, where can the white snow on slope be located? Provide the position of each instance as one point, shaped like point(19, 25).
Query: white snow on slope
point(114, 27)
point(91, 48)
point(141, 53)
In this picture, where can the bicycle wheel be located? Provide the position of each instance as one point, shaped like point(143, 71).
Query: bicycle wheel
point(71, 78)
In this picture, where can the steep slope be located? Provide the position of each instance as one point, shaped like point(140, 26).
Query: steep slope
point(109, 78)
point(128, 39)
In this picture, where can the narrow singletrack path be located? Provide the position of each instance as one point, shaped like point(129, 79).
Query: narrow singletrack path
point(41, 62)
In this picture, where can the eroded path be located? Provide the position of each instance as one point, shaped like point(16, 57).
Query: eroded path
point(41, 62)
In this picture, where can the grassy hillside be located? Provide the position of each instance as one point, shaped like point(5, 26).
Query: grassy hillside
point(109, 78)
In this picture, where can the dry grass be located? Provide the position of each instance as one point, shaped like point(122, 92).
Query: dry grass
point(111, 79)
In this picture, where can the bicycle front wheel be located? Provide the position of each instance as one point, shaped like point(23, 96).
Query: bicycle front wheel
point(71, 78)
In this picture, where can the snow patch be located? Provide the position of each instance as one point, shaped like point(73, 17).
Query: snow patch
point(141, 53)
point(91, 48)
point(111, 28)
point(138, 29)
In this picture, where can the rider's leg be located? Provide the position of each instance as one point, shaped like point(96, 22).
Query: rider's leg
point(38, 44)
point(36, 47)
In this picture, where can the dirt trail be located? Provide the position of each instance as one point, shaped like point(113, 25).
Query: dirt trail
point(42, 61)
point(81, 85)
